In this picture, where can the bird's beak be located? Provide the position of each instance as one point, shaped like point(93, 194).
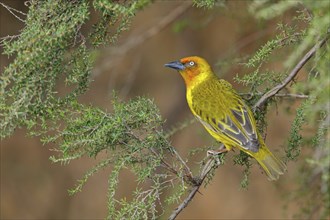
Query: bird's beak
point(177, 65)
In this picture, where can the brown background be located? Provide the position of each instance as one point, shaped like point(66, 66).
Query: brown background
point(33, 188)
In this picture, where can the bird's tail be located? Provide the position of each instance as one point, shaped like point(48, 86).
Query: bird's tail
point(272, 166)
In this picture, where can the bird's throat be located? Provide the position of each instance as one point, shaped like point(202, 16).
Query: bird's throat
point(193, 78)
point(189, 77)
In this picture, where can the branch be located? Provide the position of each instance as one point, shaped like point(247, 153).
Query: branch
point(12, 11)
point(210, 163)
point(282, 95)
point(119, 52)
point(136, 40)
point(205, 171)
point(165, 164)
point(188, 176)
point(185, 202)
point(291, 76)
point(187, 169)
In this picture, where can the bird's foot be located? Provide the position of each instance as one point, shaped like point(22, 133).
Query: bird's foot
point(221, 150)
point(216, 153)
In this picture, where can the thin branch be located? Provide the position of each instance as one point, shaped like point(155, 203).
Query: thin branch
point(165, 164)
point(189, 178)
point(188, 174)
point(119, 52)
point(291, 76)
point(205, 171)
point(12, 11)
point(187, 169)
point(130, 78)
point(282, 95)
point(132, 69)
point(289, 95)
point(185, 202)
point(136, 40)
point(208, 166)
point(10, 37)
point(246, 41)
point(180, 127)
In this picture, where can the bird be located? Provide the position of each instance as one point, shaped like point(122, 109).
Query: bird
point(224, 114)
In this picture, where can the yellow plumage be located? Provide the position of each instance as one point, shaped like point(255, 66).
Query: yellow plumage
point(223, 113)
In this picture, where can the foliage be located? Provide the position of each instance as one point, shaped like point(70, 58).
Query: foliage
point(314, 25)
point(205, 3)
point(243, 159)
point(28, 84)
point(128, 137)
point(52, 52)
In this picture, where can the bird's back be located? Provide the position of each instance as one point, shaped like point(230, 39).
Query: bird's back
point(212, 97)
point(224, 114)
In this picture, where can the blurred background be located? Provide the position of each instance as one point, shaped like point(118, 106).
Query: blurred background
point(34, 188)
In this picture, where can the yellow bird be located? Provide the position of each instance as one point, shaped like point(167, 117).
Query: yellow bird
point(223, 113)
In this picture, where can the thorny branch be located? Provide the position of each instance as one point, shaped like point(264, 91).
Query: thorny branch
point(281, 95)
point(291, 76)
point(211, 164)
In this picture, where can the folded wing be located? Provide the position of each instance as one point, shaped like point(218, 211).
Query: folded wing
point(236, 126)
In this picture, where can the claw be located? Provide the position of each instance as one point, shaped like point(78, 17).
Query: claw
point(212, 153)
point(217, 152)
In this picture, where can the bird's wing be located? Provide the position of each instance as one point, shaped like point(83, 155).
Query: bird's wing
point(224, 112)
point(238, 126)
point(245, 129)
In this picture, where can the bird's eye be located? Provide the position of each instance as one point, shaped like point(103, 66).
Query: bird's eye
point(191, 63)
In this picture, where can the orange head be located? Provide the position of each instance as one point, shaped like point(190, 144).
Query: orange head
point(193, 69)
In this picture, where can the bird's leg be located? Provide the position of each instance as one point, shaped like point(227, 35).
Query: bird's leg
point(221, 150)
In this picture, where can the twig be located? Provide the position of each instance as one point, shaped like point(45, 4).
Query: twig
point(130, 78)
point(185, 202)
point(206, 169)
point(187, 169)
point(282, 95)
point(188, 174)
point(208, 166)
point(139, 39)
point(166, 165)
point(180, 127)
point(12, 10)
point(290, 77)
point(118, 53)
point(246, 41)
point(10, 37)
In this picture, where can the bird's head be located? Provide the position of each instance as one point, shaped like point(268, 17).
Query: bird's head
point(193, 69)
